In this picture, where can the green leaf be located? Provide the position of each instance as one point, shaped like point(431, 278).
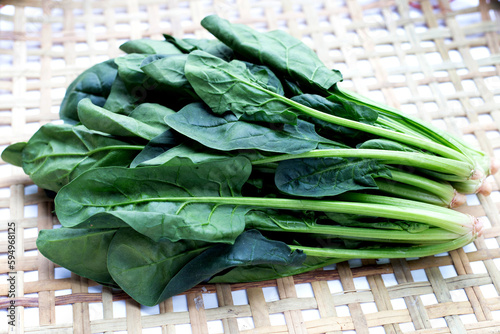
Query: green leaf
point(278, 50)
point(143, 267)
point(227, 133)
point(155, 148)
point(151, 272)
point(315, 177)
point(212, 46)
point(58, 153)
point(161, 201)
point(386, 144)
point(13, 154)
point(94, 83)
point(232, 86)
point(100, 119)
point(149, 46)
point(169, 72)
point(82, 251)
point(249, 250)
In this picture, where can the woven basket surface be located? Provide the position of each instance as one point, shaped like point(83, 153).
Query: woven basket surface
point(437, 60)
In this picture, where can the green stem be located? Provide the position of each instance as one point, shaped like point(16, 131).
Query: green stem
point(409, 192)
point(389, 252)
point(447, 219)
point(443, 190)
point(417, 160)
point(420, 142)
point(432, 235)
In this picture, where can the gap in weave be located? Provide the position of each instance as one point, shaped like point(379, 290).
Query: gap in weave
point(389, 280)
point(215, 326)
point(239, 297)
point(245, 323)
point(369, 307)
point(468, 318)
point(180, 303)
point(398, 304)
point(63, 314)
point(31, 317)
point(210, 300)
point(271, 294)
point(438, 323)
point(310, 315)
point(448, 271)
point(149, 310)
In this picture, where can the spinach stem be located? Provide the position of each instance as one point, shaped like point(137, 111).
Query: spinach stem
point(414, 159)
point(431, 235)
point(433, 215)
point(389, 252)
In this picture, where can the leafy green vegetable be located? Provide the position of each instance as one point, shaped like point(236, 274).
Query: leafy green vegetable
point(94, 83)
point(276, 49)
point(88, 245)
point(100, 119)
point(58, 153)
point(149, 46)
point(13, 154)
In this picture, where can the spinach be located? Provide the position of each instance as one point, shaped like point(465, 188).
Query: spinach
point(276, 49)
point(94, 83)
point(143, 122)
point(165, 203)
point(88, 245)
point(58, 153)
point(314, 177)
point(149, 46)
point(238, 159)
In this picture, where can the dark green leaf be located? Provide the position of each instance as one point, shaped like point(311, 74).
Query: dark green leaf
point(250, 249)
point(82, 251)
point(149, 46)
point(227, 133)
point(13, 154)
point(94, 83)
point(58, 153)
point(327, 176)
point(231, 86)
point(155, 148)
point(276, 49)
point(212, 46)
point(144, 122)
point(163, 201)
point(143, 267)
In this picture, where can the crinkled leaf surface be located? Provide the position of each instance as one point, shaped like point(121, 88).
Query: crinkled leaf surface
point(161, 201)
point(58, 153)
point(227, 133)
point(232, 86)
point(82, 251)
point(155, 148)
point(278, 50)
point(327, 176)
point(94, 83)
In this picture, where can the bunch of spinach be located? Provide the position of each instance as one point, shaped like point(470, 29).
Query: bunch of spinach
point(238, 159)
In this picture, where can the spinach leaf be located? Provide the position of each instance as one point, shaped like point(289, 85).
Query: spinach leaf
point(120, 101)
point(276, 49)
point(100, 119)
point(386, 144)
point(174, 201)
point(94, 83)
point(13, 154)
point(149, 46)
point(155, 148)
point(212, 46)
point(129, 70)
point(231, 86)
point(327, 176)
point(169, 72)
point(58, 153)
point(63, 245)
point(250, 249)
point(164, 152)
point(151, 272)
point(227, 133)
point(143, 267)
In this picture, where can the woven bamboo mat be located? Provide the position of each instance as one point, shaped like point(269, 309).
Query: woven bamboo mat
point(437, 60)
